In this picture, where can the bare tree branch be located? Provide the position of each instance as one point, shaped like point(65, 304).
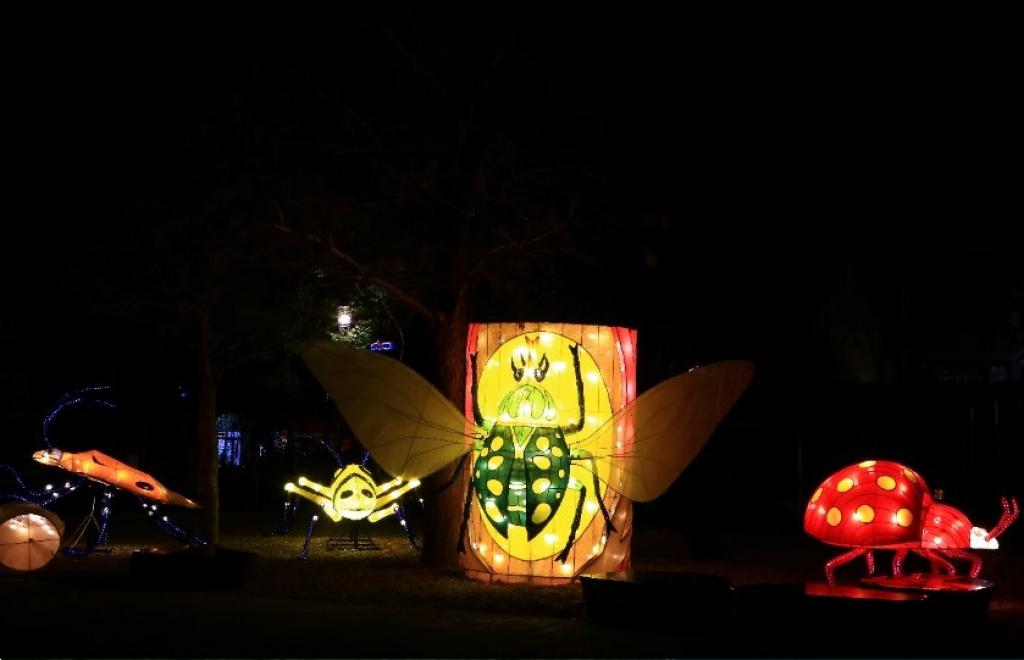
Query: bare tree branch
point(400, 293)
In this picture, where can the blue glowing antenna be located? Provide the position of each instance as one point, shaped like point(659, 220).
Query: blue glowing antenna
point(337, 457)
point(72, 399)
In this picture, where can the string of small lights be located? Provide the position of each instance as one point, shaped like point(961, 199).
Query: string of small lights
point(71, 399)
point(169, 527)
point(309, 536)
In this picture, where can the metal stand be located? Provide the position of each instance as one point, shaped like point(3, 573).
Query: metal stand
point(353, 542)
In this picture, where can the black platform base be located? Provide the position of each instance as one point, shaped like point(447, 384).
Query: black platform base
point(189, 569)
point(663, 600)
point(795, 618)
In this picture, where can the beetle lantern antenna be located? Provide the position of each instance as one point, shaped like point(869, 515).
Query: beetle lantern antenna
point(366, 457)
point(72, 399)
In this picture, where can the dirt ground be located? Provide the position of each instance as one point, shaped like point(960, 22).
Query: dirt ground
point(384, 603)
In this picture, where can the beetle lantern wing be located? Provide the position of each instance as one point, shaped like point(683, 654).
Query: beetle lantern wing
point(671, 422)
point(409, 428)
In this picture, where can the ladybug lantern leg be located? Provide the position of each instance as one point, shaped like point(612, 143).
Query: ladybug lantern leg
point(897, 561)
point(965, 556)
point(869, 557)
point(939, 563)
point(845, 558)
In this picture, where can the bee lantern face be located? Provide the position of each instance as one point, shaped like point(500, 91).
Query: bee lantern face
point(355, 497)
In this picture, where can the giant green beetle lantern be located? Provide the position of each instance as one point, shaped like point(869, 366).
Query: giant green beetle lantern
point(559, 442)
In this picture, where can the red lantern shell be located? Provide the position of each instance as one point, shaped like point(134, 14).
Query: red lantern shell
point(944, 527)
point(874, 504)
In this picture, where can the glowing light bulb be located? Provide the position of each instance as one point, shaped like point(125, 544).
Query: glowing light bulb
point(558, 366)
point(49, 486)
point(593, 376)
point(546, 338)
point(590, 506)
point(316, 518)
point(567, 568)
point(498, 558)
point(550, 538)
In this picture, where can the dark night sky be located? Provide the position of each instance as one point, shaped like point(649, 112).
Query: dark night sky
point(756, 165)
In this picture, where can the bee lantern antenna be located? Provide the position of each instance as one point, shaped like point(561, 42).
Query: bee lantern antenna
point(332, 451)
point(72, 399)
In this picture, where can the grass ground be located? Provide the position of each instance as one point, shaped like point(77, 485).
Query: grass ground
point(386, 603)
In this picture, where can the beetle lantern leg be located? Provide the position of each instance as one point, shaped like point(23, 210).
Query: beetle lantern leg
point(600, 500)
point(465, 519)
point(869, 557)
point(564, 554)
point(845, 558)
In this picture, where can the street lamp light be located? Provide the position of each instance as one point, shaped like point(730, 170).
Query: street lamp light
point(344, 319)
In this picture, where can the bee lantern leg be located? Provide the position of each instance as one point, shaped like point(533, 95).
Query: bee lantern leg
point(564, 554)
point(309, 536)
point(291, 504)
point(845, 558)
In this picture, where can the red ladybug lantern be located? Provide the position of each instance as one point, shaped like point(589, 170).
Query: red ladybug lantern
point(883, 505)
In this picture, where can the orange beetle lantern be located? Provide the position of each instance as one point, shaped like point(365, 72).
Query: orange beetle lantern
point(883, 505)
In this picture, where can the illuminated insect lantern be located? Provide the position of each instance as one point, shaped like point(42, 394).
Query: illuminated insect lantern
point(558, 440)
point(353, 495)
point(29, 536)
point(94, 464)
point(95, 467)
point(883, 505)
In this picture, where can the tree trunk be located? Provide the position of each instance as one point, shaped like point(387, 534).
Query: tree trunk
point(443, 517)
point(208, 492)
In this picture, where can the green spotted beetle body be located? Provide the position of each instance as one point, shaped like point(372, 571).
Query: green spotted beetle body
point(522, 469)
